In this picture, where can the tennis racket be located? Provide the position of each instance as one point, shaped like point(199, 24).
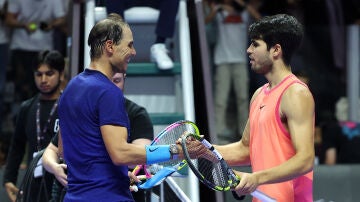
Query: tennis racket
point(211, 169)
point(156, 173)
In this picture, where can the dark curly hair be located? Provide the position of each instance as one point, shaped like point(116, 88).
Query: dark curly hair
point(280, 29)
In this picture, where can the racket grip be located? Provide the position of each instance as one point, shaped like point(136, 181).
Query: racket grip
point(137, 169)
point(262, 196)
point(237, 197)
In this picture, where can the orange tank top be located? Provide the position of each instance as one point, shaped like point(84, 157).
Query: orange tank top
point(270, 144)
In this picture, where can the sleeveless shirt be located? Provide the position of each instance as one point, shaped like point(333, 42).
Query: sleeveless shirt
point(270, 144)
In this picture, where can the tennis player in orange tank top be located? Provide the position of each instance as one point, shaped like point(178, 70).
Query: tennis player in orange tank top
point(278, 140)
point(268, 131)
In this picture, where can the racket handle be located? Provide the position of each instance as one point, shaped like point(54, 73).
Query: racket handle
point(137, 169)
point(237, 197)
point(262, 196)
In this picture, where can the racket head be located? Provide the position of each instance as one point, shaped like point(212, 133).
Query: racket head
point(171, 134)
point(211, 169)
point(167, 136)
point(174, 131)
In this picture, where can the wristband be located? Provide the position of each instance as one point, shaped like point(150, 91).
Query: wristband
point(156, 154)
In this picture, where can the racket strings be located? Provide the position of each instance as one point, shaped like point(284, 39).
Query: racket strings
point(154, 168)
point(213, 171)
point(169, 136)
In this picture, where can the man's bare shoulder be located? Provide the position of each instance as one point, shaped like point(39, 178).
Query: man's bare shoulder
point(297, 97)
point(298, 90)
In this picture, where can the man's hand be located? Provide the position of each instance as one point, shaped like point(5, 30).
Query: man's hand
point(248, 183)
point(133, 180)
point(60, 175)
point(11, 190)
point(195, 148)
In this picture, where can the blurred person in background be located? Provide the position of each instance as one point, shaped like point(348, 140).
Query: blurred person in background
point(32, 23)
point(341, 139)
point(4, 58)
point(165, 26)
point(36, 123)
point(231, 18)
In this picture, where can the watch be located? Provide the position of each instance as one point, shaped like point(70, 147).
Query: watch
point(174, 151)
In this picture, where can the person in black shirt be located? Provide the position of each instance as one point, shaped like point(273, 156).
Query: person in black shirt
point(36, 123)
point(341, 137)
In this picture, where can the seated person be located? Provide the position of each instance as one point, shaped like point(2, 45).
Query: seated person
point(341, 138)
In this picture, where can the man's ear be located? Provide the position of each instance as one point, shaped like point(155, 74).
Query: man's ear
point(109, 46)
point(277, 50)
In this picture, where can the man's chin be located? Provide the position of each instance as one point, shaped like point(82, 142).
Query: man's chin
point(48, 92)
point(121, 69)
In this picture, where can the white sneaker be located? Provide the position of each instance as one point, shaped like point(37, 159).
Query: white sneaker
point(159, 55)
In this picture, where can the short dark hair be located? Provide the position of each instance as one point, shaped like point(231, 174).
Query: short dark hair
point(53, 58)
point(280, 29)
point(110, 28)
